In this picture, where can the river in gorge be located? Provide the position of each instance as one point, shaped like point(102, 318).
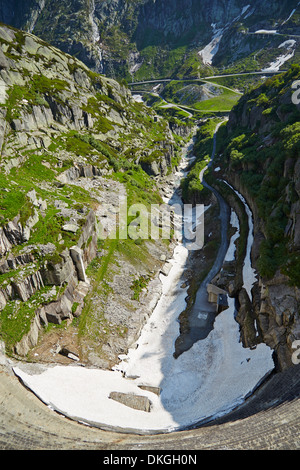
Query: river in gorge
point(213, 374)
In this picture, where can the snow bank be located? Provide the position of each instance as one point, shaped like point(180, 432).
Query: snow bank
point(275, 66)
point(292, 14)
point(138, 98)
point(210, 379)
point(289, 44)
point(266, 31)
point(249, 275)
point(210, 50)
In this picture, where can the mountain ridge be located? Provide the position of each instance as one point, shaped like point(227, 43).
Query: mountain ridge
point(145, 38)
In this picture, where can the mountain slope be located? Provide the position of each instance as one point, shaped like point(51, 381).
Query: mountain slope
point(146, 38)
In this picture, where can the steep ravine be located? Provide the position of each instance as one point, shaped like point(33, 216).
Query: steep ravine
point(201, 315)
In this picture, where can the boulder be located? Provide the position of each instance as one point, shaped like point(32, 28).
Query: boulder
point(30, 339)
point(151, 389)
point(166, 268)
point(69, 354)
point(58, 311)
point(70, 228)
point(58, 273)
point(76, 255)
point(25, 288)
point(137, 402)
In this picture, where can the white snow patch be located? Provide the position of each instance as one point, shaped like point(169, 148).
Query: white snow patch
point(209, 51)
point(277, 64)
point(288, 44)
point(208, 380)
point(292, 13)
point(234, 222)
point(135, 67)
point(156, 88)
point(138, 98)
point(249, 275)
point(250, 13)
point(245, 9)
point(265, 31)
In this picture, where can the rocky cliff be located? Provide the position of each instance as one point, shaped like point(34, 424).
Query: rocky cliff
point(73, 143)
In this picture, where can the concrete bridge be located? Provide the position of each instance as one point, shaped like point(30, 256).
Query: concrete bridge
point(269, 420)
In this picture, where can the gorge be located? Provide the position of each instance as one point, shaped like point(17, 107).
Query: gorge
point(143, 336)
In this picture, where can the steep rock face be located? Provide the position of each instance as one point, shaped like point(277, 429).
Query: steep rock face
point(261, 161)
point(178, 18)
point(147, 37)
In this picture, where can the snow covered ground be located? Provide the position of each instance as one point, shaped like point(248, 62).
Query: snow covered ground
point(291, 14)
point(234, 222)
point(210, 50)
point(138, 98)
point(208, 380)
point(213, 377)
point(266, 31)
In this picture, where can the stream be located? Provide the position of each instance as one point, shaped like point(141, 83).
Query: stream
point(211, 377)
point(202, 315)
